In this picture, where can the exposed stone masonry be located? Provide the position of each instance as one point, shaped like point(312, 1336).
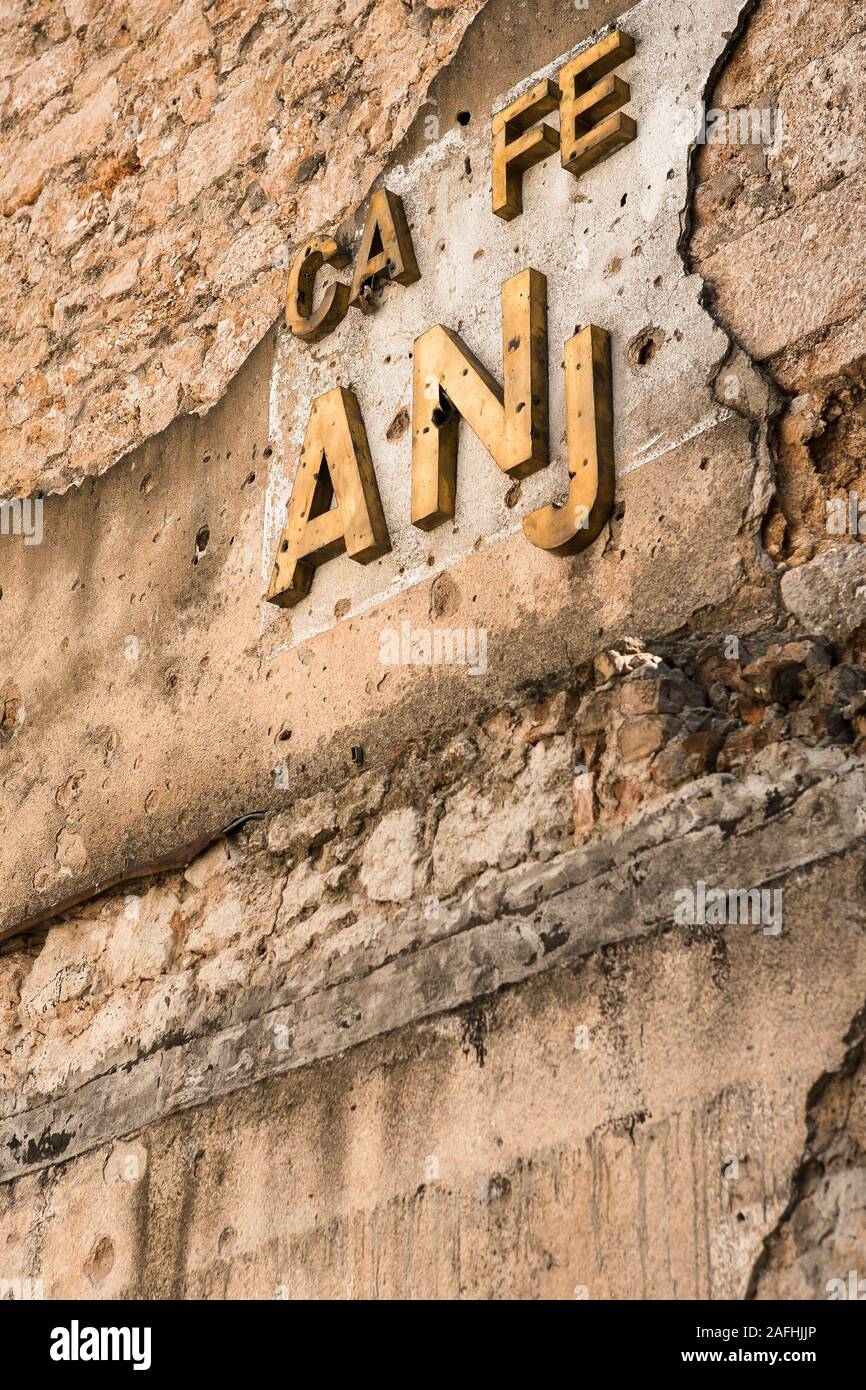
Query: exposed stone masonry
point(775, 228)
point(350, 879)
point(158, 162)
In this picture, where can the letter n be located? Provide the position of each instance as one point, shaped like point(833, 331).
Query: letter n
point(449, 383)
point(335, 465)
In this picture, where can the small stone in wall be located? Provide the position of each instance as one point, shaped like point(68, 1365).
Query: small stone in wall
point(390, 856)
point(63, 970)
point(828, 594)
point(143, 941)
point(647, 734)
point(220, 926)
point(548, 717)
point(307, 823)
point(215, 860)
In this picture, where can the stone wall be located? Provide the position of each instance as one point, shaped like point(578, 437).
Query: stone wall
point(159, 162)
point(775, 241)
point(433, 1027)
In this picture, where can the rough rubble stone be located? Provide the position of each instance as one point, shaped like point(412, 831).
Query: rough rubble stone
point(828, 594)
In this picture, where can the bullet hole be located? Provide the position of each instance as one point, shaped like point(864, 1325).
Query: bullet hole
point(284, 547)
point(623, 200)
point(10, 709)
point(704, 464)
point(266, 453)
point(248, 480)
point(146, 485)
point(68, 793)
point(100, 1261)
point(226, 1240)
point(398, 426)
point(512, 496)
point(444, 597)
point(498, 1189)
point(201, 543)
point(514, 344)
point(671, 174)
point(644, 346)
point(357, 754)
point(463, 117)
point(657, 282)
point(467, 167)
point(284, 735)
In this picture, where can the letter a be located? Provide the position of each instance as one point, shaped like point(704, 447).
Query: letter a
point(386, 249)
point(335, 464)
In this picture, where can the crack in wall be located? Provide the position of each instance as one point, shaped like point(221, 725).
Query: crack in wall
point(781, 1246)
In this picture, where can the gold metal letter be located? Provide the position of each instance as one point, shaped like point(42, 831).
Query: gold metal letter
point(518, 144)
point(568, 529)
point(335, 462)
point(590, 121)
point(306, 324)
point(449, 382)
point(386, 248)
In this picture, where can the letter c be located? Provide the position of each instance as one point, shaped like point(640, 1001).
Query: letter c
point(304, 322)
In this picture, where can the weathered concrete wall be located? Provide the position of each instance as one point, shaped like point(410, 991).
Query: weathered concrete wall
point(433, 1028)
point(146, 574)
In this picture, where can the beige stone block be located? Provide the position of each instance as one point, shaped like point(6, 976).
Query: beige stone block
point(642, 736)
point(143, 941)
point(390, 857)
